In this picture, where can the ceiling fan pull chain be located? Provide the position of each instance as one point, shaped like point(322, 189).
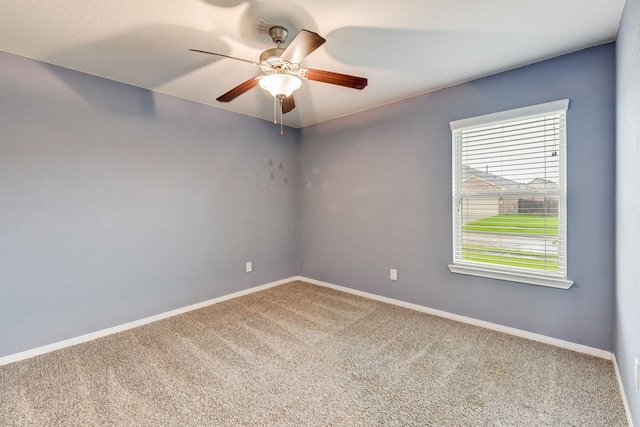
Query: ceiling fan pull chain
point(275, 111)
point(281, 131)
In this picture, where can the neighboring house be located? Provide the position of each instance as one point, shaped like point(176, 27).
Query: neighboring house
point(476, 180)
point(542, 183)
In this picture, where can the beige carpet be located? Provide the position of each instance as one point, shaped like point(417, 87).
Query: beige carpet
point(303, 355)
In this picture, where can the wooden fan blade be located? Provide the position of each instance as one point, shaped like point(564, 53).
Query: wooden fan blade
point(288, 104)
point(226, 56)
point(334, 78)
point(302, 45)
point(239, 90)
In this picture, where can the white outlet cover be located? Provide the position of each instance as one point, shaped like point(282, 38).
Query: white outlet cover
point(393, 274)
point(249, 267)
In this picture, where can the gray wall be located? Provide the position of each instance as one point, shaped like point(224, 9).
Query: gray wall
point(627, 345)
point(375, 193)
point(117, 203)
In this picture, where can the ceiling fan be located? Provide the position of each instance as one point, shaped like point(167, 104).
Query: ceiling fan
point(282, 72)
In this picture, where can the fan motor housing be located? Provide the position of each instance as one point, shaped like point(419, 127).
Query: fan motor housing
point(271, 57)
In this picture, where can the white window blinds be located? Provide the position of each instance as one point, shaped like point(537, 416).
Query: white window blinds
point(509, 194)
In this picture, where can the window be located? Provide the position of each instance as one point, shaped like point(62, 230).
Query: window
point(509, 195)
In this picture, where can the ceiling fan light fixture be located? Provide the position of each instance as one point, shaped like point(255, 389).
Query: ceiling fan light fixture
point(282, 72)
point(280, 84)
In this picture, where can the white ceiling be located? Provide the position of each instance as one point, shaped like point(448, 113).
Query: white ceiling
point(404, 47)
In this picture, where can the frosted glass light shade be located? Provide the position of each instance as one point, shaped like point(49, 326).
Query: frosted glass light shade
point(280, 84)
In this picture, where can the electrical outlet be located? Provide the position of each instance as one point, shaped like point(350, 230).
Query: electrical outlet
point(249, 266)
point(637, 373)
point(393, 274)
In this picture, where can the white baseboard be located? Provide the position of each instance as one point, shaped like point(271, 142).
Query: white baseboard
point(126, 326)
point(481, 323)
point(488, 325)
point(622, 393)
point(469, 320)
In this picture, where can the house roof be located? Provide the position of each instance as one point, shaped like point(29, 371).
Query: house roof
point(542, 182)
point(500, 181)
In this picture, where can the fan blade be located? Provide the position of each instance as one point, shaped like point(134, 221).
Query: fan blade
point(225, 56)
point(288, 104)
point(239, 90)
point(334, 78)
point(301, 46)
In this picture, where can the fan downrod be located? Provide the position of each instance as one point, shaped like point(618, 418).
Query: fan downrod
point(270, 58)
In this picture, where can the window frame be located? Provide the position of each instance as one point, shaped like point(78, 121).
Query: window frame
point(494, 271)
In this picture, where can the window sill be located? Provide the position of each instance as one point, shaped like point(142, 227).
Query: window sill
point(551, 282)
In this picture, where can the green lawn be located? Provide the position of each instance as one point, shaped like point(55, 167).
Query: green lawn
point(511, 258)
point(516, 223)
